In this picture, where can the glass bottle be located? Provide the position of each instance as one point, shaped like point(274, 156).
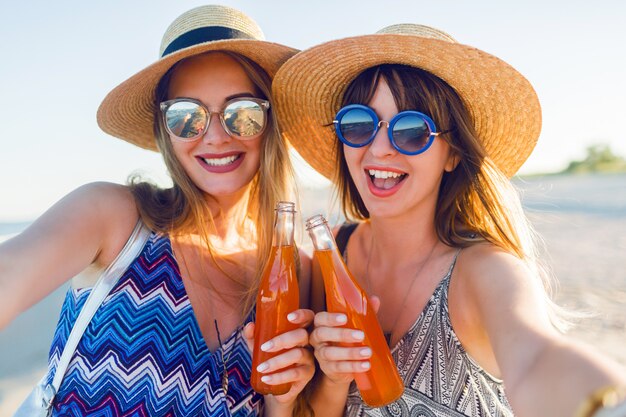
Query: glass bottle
point(278, 295)
point(381, 384)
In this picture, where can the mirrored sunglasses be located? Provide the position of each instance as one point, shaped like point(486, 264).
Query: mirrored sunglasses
point(188, 119)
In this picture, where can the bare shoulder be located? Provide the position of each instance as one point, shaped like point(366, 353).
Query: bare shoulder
point(96, 199)
point(112, 211)
point(87, 227)
point(499, 290)
point(115, 196)
point(112, 197)
point(485, 266)
point(496, 301)
point(98, 215)
point(486, 255)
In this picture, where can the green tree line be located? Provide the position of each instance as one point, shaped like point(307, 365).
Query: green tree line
point(600, 158)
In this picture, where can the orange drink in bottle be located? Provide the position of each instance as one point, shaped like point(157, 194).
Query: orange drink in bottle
point(278, 295)
point(381, 384)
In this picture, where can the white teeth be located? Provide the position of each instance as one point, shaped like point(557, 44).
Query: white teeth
point(384, 174)
point(220, 161)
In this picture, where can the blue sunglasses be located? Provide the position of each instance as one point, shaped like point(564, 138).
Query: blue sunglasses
point(410, 132)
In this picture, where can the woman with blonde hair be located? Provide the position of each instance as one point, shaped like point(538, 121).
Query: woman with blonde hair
point(420, 134)
point(169, 339)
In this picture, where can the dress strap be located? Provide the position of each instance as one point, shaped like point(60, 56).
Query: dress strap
point(343, 235)
point(445, 282)
point(456, 255)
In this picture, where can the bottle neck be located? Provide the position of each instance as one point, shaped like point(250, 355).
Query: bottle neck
point(283, 225)
point(320, 233)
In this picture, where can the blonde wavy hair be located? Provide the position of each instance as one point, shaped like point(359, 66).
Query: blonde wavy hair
point(476, 201)
point(182, 209)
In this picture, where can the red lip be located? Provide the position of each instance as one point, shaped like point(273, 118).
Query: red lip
point(379, 192)
point(220, 169)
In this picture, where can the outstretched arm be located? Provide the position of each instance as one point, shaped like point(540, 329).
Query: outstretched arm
point(89, 225)
point(544, 373)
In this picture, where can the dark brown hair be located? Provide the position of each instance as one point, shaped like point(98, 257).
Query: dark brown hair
point(476, 201)
point(415, 89)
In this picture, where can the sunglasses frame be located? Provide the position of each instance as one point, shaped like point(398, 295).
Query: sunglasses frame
point(165, 105)
point(390, 125)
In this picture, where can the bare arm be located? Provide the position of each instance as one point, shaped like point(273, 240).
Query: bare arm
point(544, 373)
point(89, 225)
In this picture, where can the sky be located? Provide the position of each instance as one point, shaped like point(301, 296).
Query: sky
point(60, 58)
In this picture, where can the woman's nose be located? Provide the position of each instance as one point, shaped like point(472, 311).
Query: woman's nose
point(381, 145)
point(215, 133)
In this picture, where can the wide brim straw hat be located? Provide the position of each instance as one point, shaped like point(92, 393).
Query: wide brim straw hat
point(309, 88)
point(127, 112)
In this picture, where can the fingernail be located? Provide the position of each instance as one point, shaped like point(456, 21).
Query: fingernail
point(364, 365)
point(367, 352)
point(341, 318)
point(267, 346)
point(358, 335)
point(262, 367)
point(266, 378)
point(292, 316)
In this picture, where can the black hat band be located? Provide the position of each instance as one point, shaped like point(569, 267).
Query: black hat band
point(201, 35)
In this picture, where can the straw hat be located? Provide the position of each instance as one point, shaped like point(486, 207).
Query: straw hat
point(127, 112)
point(309, 88)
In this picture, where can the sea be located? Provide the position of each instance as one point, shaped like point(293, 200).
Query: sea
point(599, 194)
point(592, 194)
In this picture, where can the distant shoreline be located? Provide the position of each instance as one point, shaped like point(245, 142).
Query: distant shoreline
point(570, 174)
point(11, 228)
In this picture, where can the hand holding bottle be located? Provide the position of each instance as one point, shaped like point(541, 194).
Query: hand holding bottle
point(295, 364)
point(278, 295)
point(378, 380)
point(329, 338)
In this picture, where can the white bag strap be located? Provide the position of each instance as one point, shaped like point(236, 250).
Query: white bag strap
point(101, 289)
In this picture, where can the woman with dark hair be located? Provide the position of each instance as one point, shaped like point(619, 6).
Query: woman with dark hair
point(420, 135)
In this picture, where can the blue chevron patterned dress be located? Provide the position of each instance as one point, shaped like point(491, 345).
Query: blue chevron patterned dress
point(143, 353)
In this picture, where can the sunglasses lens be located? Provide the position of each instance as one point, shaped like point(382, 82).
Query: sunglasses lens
point(244, 118)
point(185, 119)
point(411, 133)
point(356, 127)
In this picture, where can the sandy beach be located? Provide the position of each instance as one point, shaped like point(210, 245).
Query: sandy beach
point(583, 223)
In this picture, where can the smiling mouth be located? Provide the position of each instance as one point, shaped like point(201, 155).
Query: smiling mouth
point(220, 162)
point(385, 180)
